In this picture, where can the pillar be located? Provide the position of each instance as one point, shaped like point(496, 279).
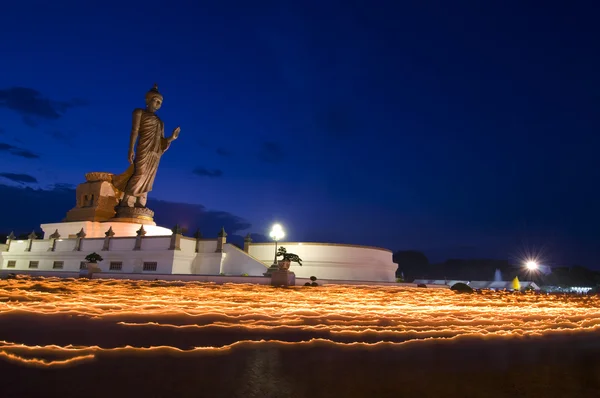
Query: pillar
point(198, 236)
point(53, 239)
point(32, 236)
point(107, 237)
point(221, 240)
point(80, 235)
point(138, 239)
point(9, 239)
point(176, 238)
point(247, 241)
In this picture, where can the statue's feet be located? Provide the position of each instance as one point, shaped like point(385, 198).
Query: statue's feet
point(127, 201)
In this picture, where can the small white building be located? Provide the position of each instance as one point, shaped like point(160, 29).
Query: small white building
point(142, 253)
point(155, 250)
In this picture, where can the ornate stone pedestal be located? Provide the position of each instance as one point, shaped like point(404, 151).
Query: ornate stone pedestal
point(137, 215)
point(96, 199)
point(92, 268)
point(283, 278)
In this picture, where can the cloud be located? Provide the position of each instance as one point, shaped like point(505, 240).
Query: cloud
point(20, 178)
point(223, 152)
point(31, 207)
point(201, 171)
point(62, 186)
point(270, 152)
point(238, 240)
point(16, 151)
point(32, 106)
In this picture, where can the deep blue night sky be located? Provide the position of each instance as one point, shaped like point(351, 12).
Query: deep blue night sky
point(460, 129)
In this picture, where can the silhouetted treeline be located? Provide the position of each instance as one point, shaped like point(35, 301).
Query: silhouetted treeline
point(415, 265)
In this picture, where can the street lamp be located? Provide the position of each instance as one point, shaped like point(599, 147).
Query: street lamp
point(276, 234)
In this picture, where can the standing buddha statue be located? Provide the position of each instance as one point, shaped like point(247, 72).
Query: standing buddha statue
point(146, 146)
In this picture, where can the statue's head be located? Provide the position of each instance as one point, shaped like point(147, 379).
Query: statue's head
point(154, 99)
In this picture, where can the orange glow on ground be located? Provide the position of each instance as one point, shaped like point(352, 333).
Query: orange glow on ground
point(49, 322)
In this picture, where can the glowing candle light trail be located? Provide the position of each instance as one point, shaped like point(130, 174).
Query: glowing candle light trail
point(243, 314)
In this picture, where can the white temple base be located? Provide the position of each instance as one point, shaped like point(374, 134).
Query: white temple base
point(94, 229)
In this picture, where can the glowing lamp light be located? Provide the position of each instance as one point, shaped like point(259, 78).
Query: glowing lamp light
point(531, 265)
point(277, 232)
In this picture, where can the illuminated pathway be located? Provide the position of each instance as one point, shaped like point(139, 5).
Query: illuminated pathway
point(57, 322)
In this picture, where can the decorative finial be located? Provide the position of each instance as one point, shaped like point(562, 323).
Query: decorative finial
point(248, 238)
point(110, 233)
point(11, 236)
point(222, 234)
point(177, 230)
point(198, 234)
point(32, 235)
point(141, 231)
point(81, 234)
point(55, 235)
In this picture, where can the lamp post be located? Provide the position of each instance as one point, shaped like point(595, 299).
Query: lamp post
point(276, 234)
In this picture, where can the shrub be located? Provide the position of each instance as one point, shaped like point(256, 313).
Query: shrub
point(313, 278)
point(461, 288)
point(307, 284)
point(93, 257)
point(399, 280)
point(421, 285)
point(244, 274)
point(314, 284)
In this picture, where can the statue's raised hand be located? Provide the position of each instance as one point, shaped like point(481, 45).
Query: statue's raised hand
point(131, 157)
point(175, 134)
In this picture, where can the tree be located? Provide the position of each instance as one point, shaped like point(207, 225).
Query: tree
point(411, 262)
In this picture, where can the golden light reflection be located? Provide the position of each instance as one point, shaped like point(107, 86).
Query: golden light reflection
point(38, 316)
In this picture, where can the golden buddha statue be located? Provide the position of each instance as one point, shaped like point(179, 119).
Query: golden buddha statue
point(149, 132)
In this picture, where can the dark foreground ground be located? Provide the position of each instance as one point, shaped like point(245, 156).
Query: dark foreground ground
point(567, 366)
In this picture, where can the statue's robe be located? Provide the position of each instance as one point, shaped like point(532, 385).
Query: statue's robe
point(139, 177)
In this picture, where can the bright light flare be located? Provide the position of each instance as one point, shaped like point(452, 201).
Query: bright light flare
point(277, 232)
point(531, 265)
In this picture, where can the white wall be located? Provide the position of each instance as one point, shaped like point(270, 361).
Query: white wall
point(94, 229)
point(187, 245)
point(207, 264)
point(237, 262)
point(64, 245)
point(153, 249)
point(333, 261)
point(325, 261)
